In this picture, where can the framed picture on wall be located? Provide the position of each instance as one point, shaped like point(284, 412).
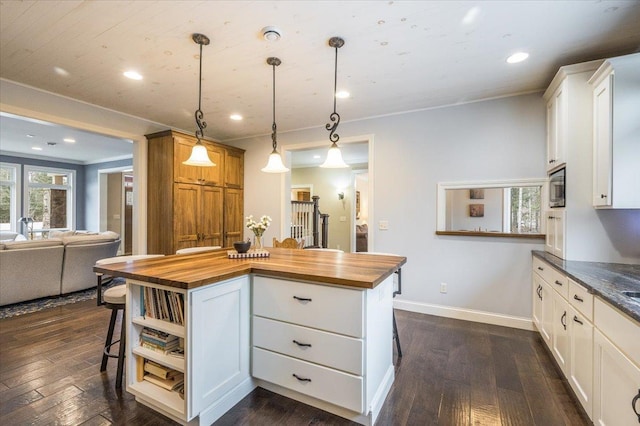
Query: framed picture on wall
point(476, 194)
point(476, 210)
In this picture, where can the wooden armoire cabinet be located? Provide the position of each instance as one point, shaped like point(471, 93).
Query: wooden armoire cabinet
point(190, 206)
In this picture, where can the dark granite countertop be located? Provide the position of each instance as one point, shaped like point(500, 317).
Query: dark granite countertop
point(605, 280)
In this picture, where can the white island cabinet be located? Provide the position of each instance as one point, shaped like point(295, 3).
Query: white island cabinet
point(312, 326)
point(215, 332)
point(323, 345)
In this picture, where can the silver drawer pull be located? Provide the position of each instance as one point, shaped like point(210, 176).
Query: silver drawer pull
point(540, 268)
point(558, 282)
point(306, 345)
point(302, 299)
point(578, 298)
point(302, 379)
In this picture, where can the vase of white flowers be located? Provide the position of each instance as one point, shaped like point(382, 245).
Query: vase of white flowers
point(258, 229)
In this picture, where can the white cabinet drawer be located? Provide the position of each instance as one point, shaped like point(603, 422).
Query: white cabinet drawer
point(581, 299)
point(332, 350)
point(335, 387)
point(555, 279)
point(620, 329)
point(334, 309)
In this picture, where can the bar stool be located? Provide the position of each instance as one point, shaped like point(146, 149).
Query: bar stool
point(398, 290)
point(114, 298)
point(191, 250)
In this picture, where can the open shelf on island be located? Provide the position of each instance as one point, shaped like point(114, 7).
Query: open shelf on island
point(166, 360)
point(165, 399)
point(161, 325)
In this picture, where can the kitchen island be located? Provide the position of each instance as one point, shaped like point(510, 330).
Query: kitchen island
point(313, 326)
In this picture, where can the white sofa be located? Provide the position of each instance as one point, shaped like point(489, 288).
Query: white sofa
point(58, 265)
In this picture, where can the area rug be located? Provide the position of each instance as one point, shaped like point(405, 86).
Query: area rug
point(52, 302)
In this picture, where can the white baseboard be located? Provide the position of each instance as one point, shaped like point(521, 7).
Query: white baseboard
point(466, 314)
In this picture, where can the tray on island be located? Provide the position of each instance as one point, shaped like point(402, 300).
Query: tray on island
point(233, 254)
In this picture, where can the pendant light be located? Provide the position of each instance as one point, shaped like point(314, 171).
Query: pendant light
point(334, 156)
point(199, 155)
point(274, 165)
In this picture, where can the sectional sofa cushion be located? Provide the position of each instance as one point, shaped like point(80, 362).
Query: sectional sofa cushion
point(29, 244)
point(80, 238)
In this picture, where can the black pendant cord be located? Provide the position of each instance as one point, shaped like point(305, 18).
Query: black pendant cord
point(199, 115)
point(274, 128)
point(274, 62)
point(335, 42)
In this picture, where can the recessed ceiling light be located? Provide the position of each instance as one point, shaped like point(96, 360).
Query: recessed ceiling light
point(69, 140)
point(36, 148)
point(316, 156)
point(343, 94)
point(61, 71)
point(235, 117)
point(133, 75)
point(517, 57)
point(29, 136)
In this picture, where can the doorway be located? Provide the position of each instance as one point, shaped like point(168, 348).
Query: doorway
point(116, 205)
point(338, 189)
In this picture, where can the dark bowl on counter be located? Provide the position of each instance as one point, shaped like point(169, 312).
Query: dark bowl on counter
point(242, 246)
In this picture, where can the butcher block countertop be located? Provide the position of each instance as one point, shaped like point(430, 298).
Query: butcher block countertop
point(363, 271)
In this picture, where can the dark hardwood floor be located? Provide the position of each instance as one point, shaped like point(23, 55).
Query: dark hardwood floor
point(452, 373)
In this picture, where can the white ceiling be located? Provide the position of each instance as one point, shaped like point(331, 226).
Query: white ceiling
point(398, 56)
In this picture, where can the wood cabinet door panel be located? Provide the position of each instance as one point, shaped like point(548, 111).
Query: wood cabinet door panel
point(185, 216)
point(211, 213)
point(233, 216)
point(182, 151)
point(213, 175)
point(234, 173)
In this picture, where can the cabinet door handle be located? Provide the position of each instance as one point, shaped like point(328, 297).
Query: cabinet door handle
point(305, 345)
point(552, 161)
point(302, 379)
point(559, 283)
point(603, 196)
point(578, 298)
point(302, 299)
point(563, 320)
point(575, 318)
point(539, 291)
point(633, 404)
point(540, 268)
point(550, 217)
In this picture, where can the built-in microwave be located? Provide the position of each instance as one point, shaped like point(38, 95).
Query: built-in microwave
point(557, 188)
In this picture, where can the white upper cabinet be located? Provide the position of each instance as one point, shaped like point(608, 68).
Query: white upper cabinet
point(556, 125)
point(616, 133)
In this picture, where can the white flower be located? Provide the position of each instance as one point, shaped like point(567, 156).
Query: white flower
point(258, 228)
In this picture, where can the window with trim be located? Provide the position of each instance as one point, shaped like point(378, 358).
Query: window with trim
point(49, 198)
point(9, 196)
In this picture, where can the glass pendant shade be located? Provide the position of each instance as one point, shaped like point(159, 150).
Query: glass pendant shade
point(275, 164)
point(334, 159)
point(199, 157)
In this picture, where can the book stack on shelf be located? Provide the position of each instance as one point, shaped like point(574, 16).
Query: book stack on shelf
point(164, 305)
point(159, 341)
point(165, 377)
